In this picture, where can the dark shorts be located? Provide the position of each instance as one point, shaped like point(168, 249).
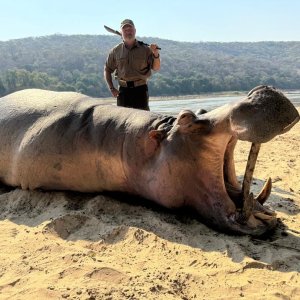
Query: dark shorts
point(136, 97)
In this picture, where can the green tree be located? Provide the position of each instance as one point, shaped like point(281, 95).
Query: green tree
point(2, 88)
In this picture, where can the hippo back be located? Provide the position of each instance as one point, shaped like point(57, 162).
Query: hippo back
point(64, 140)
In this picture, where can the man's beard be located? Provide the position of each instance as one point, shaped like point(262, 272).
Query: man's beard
point(129, 37)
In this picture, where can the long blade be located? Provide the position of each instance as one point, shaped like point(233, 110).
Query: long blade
point(118, 33)
point(112, 30)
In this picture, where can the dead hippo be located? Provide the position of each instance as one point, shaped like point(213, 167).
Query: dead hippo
point(68, 141)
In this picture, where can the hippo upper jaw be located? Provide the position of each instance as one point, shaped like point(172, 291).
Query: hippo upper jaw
point(262, 115)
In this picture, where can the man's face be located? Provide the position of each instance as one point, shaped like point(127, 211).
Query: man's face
point(128, 33)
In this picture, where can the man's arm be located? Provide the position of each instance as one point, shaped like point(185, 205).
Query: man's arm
point(109, 82)
point(156, 57)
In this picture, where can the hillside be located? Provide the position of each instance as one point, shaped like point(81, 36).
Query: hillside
point(60, 62)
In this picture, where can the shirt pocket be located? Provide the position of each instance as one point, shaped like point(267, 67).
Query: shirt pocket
point(122, 62)
point(140, 64)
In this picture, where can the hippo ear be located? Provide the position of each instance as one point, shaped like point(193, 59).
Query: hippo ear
point(185, 117)
point(201, 111)
point(157, 135)
point(189, 123)
point(153, 143)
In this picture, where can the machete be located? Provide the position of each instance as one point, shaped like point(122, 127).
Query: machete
point(119, 33)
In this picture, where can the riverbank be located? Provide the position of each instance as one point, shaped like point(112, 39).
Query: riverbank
point(201, 96)
point(186, 97)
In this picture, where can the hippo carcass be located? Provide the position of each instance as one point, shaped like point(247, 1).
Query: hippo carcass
point(68, 141)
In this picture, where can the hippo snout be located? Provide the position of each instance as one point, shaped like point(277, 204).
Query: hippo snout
point(262, 115)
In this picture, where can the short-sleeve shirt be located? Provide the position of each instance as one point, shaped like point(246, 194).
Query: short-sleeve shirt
point(130, 64)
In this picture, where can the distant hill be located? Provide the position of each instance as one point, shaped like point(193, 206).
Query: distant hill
point(75, 62)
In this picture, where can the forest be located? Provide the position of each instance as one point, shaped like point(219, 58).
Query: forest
point(75, 63)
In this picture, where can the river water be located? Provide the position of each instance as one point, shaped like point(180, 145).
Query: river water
point(173, 107)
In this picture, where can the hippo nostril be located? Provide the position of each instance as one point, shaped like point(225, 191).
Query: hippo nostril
point(260, 87)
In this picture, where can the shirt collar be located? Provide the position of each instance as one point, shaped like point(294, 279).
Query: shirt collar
point(136, 44)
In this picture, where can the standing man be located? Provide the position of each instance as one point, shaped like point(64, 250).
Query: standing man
point(132, 61)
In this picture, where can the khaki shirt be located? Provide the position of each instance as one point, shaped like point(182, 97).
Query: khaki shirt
point(130, 64)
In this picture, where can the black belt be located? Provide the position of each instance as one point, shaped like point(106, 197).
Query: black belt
point(132, 84)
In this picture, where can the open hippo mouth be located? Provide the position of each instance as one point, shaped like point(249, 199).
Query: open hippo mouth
point(246, 203)
point(264, 114)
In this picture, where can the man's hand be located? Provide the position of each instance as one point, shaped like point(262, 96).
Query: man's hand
point(154, 49)
point(114, 92)
point(156, 60)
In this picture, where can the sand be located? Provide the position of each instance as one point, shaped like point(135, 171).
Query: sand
point(61, 245)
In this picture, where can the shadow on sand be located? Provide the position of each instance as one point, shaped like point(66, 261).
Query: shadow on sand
point(108, 218)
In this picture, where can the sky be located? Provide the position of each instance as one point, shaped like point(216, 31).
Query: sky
point(179, 20)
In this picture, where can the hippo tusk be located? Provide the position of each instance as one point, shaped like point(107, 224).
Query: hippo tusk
point(265, 192)
point(248, 199)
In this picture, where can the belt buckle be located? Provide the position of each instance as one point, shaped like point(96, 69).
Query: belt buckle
point(130, 84)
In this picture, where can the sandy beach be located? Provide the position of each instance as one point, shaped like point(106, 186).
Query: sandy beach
point(63, 245)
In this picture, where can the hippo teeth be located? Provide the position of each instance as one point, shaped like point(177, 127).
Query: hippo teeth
point(251, 205)
point(265, 192)
point(248, 199)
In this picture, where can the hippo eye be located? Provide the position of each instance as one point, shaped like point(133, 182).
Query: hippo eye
point(184, 120)
point(186, 117)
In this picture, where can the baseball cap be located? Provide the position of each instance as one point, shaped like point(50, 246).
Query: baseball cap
point(127, 22)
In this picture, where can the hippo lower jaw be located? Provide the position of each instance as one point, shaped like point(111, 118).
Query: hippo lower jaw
point(251, 216)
